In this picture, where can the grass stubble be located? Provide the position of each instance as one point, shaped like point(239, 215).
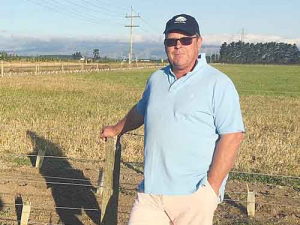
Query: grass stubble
point(69, 110)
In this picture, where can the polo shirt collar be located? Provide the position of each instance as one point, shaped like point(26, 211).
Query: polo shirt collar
point(200, 62)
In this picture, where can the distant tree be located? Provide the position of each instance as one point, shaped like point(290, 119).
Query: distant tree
point(77, 55)
point(264, 53)
point(4, 55)
point(214, 58)
point(224, 53)
point(96, 54)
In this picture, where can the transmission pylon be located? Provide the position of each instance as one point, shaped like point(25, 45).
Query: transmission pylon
point(243, 35)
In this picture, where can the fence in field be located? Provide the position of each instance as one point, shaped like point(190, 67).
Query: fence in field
point(108, 188)
point(12, 69)
point(108, 175)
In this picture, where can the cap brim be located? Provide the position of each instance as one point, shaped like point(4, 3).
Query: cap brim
point(179, 29)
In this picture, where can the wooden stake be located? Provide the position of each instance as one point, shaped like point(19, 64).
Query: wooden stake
point(40, 158)
point(100, 182)
point(108, 175)
point(250, 202)
point(2, 68)
point(110, 197)
point(25, 213)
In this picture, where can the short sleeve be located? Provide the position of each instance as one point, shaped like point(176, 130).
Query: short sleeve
point(142, 104)
point(226, 107)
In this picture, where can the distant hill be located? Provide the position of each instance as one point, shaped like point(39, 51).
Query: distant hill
point(57, 56)
point(110, 49)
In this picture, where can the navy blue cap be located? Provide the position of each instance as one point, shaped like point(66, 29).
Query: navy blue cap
point(184, 23)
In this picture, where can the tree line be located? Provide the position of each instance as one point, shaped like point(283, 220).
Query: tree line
point(8, 56)
point(260, 53)
point(234, 52)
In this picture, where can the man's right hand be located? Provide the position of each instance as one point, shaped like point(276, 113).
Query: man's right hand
point(131, 121)
point(108, 131)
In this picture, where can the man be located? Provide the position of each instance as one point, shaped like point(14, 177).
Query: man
point(193, 128)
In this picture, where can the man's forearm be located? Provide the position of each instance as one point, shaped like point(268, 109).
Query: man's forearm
point(131, 121)
point(223, 160)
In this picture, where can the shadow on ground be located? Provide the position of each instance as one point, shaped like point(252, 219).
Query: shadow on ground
point(235, 204)
point(76, 192)
point(1, 204)
point(18, 208)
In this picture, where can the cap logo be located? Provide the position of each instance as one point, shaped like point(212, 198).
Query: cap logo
point(180, 19)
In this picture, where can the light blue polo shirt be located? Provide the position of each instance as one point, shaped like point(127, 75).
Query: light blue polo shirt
point(183, 120)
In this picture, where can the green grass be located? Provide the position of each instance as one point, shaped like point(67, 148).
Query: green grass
point(253, 178)
point(22, 161)
point(266, 80)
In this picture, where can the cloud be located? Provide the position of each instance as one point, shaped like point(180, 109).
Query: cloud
point(110, 47)
point(115, 47)
point(217, 39)
point(271, 38)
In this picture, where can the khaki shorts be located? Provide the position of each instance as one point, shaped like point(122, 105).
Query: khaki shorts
point(194, 209)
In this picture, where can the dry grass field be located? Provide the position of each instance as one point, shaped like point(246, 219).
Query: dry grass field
point(71, 109)
point(68, 110)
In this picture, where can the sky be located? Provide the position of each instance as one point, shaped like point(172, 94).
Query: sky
point(25, 22)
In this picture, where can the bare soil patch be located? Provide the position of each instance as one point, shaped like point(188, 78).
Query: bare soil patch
point(47, 192)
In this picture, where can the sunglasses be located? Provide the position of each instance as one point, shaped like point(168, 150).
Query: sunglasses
point(169, 42)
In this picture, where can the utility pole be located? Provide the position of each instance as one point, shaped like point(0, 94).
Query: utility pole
point(131, 32)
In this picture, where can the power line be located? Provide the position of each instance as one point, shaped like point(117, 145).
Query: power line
point(55, 8)
point(152, 27)
point(102, 9)
point(72, 3)
point(72, 9)
point(123, 7)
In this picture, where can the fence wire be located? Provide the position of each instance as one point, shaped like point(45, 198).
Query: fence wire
point(55, 157)
point(265, 174)
point(57, 178)
point(49, 182)
point(129, 205)
point(31, 222)
point(38, 208)
point(57, 207)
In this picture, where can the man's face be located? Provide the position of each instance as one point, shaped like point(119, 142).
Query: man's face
point(182, 56)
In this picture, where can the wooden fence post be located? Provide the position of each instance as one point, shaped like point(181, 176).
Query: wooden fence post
point(2, 68)
point(40, 158)
point(25, 213)
point(100, 182)
point(250, 202)
point(110, 197)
